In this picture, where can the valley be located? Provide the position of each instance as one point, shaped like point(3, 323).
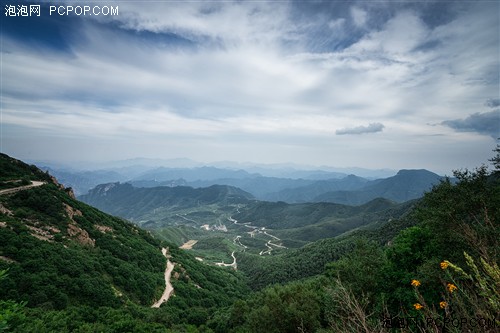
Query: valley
point(217, 222)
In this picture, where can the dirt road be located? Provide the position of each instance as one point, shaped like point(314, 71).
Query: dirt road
point(20, 188)
point(168, 286)
point(234, 265)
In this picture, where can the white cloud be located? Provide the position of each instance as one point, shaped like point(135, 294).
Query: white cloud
point(359, 16)
point(232, 22)
point(396, 40)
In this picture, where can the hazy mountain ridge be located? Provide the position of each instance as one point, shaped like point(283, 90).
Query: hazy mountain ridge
point(132, 203)
point(260, 187)
point(263, 181)
point(351, 190)
point(289, 185)
point(404, 186)
point(193, 174)
point(310, 192)
point(83, 181)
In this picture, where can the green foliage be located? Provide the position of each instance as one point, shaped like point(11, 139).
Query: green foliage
point(177, 235)
point(347, 311)
point(11, 313)
point(479, 287)
point(15, 183)
point(496, 159)
point(292, 265)
point(361, 270)
point(93, 319)
point(291, 308)
point(39, 203)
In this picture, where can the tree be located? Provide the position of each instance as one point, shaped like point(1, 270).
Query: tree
point(496, 160)
point(11, 313)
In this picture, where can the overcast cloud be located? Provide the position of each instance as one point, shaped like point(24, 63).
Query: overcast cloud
point(267, 82)
point(484, 123)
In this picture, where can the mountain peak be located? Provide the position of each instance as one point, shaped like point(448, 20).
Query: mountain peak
point(403, 172)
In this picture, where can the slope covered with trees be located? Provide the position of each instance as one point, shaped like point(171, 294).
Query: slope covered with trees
point(134, 203)
point(69, 267)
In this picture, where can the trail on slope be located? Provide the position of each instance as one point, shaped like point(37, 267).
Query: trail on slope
point(21, 188)
point(168, 286)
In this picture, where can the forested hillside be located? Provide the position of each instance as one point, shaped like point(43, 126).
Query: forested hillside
point(68, 267)
point(133, 203)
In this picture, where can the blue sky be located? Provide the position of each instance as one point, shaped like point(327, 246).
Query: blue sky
point(387, 84)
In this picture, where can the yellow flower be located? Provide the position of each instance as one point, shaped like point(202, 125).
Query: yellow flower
point(443, 304)
point(415, 283)
point(418, 306)
point(451, 287)
point(444, 264)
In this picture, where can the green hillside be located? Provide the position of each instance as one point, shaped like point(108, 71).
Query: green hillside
point(68, 267)
point(144, 203)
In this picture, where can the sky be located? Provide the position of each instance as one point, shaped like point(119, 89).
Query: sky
point(372, 84)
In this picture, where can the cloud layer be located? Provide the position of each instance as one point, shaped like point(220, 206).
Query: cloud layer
point(275, 79)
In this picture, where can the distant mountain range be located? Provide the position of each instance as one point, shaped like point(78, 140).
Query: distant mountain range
point(350, 190)
point(310, 192)
point(82, 177)
point(285, 184)
point(404, 186)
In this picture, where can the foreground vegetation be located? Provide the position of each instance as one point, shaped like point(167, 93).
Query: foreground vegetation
point(433, 269)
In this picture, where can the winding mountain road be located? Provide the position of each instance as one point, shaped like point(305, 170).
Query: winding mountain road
point(34, 183)
point(168, 286)
point(233, 264)
point(261, 230)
